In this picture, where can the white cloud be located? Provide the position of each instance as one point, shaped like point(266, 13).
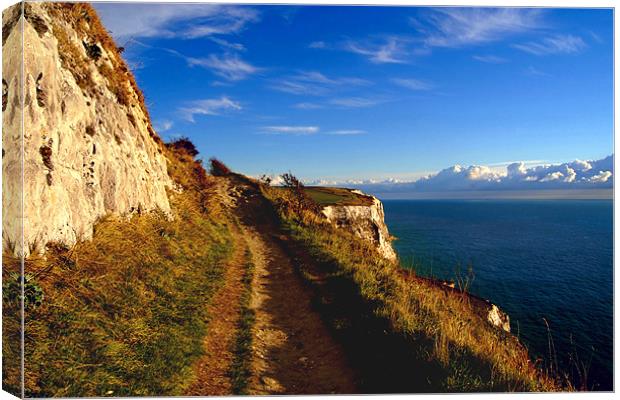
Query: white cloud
point(163, 125)
point(317, 77)
point(601, 177)
point(208, 107)
point(516, 169)
point(391, 50)
point(577, 174)
point(292, 130)
point(315, 83)
point(559, 44)
point(579, 165)
point(490, 59)
point(225, 43)
point(552, 176)
point(455, 27)
point(299, 88)
point(127, 20)
point(413, 84)
point(227, 66)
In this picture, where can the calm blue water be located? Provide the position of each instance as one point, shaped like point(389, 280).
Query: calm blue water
point(536, 259)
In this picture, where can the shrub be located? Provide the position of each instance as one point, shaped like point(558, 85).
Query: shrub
point(184, 145)
point(298, 199)
point(92, 50)
point(218, 168)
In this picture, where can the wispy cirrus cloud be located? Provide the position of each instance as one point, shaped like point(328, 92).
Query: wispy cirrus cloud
point(558, 44)
point(490, 59)
point(291, 130)
point(391, 50)
point(163, 125)
point(455, 27)
point(444, 27)
point(228, 66)
point(208, 107)
point(346, 132)
point(354, 102)
point(412, 84)
point(227, 44)
point(307, 106)
point(317, 77)
point(298, 130)
point(532, 71)
point(127, 20)
point(314, 83)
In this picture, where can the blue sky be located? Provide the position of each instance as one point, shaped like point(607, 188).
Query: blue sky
point(373, 92)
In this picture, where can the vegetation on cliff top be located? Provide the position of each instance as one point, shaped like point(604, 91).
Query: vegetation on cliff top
point(462, 351)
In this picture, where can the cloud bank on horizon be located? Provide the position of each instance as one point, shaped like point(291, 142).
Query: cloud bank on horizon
point(578, 174)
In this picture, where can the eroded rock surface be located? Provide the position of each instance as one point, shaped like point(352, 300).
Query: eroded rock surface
point(366, 221)
point(88, 147)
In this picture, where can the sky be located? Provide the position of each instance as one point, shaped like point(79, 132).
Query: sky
point(341, 93)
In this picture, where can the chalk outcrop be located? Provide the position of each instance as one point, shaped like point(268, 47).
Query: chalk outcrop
point(498, 318)
point(88, 146)
point(366, 221)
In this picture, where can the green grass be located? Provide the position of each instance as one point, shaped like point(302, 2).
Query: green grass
point(325, 196)
point(240, 369)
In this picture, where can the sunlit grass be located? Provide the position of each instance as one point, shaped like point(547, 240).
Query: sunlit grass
point(124, 314)
point(476, 356)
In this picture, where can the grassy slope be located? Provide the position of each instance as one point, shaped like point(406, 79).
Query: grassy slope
point(471, 355)
point(124, 313)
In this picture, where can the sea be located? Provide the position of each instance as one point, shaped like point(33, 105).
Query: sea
point(547, 263)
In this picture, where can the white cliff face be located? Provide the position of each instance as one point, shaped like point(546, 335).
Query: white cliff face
point(85, 154)
point(366, 221)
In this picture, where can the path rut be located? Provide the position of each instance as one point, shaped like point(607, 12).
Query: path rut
point(293, 351)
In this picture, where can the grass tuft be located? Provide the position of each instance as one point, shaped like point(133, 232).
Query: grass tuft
point(240, 369)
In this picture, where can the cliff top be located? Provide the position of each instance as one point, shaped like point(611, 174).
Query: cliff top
point(330, 196)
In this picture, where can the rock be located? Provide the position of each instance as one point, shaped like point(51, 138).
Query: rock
point(366, 221)
point(498, 318)
point(271, 385)
point(99, 156)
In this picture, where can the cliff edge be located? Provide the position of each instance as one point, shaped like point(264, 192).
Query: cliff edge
point(357, 212)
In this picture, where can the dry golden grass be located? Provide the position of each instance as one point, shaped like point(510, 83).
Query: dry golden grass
point(84, 20)
point(123, 314)
point(476, 355)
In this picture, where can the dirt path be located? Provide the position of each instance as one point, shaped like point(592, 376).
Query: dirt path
point(293, 351)
point(212, 370)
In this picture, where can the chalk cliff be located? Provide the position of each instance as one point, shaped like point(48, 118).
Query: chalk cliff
point(366, 221)
point(87, 145)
